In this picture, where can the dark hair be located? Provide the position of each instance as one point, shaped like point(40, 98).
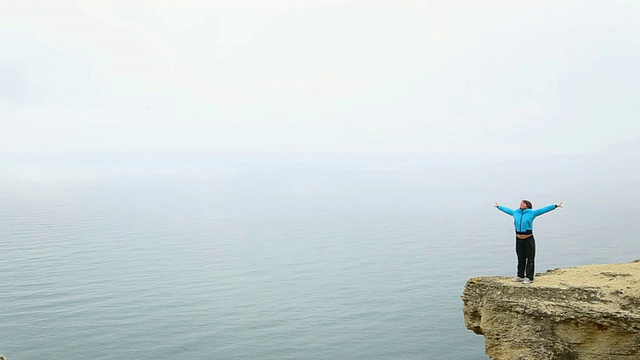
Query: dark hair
point(528, 203)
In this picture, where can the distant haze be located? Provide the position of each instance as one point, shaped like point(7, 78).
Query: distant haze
point(489, 79)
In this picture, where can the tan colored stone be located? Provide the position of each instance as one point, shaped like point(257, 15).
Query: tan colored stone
point(588, 313)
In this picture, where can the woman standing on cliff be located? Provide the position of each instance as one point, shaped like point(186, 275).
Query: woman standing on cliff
point(525, 242)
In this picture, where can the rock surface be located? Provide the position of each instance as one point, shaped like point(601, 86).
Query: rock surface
point(587, 313)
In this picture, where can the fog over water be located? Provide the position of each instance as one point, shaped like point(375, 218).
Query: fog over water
point(300, 180)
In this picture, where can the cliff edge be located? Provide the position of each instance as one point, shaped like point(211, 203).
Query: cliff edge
point(587, 312)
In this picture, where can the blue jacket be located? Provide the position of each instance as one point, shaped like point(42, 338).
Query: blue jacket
point(523, 219)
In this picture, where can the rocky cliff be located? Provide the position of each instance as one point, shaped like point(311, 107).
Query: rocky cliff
point(587, 313)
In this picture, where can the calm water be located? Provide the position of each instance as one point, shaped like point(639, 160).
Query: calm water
point(267, 265)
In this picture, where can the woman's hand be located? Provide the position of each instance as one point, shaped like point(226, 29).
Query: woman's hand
point(559, 205)
point(496, 205)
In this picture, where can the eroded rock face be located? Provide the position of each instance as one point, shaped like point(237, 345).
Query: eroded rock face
point(587, 313)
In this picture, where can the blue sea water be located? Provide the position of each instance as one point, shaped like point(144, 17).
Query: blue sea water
point(285, 264)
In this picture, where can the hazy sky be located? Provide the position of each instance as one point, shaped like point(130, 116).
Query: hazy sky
point(318, 76)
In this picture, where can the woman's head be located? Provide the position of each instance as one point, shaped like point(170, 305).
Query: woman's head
point(525, 204)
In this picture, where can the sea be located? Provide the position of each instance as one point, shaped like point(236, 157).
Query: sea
point(275, 262)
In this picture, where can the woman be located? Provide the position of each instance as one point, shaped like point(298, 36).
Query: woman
point(525, 242)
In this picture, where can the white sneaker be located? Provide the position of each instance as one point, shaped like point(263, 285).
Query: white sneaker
point(518, 279)
point(527, 281)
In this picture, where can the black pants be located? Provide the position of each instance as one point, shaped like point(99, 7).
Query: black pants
point(526, 251)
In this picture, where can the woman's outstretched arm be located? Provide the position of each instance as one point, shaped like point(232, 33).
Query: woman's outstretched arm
point(546, 209)
point(504, 209)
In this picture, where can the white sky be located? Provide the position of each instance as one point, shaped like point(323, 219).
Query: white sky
point(318, 76)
